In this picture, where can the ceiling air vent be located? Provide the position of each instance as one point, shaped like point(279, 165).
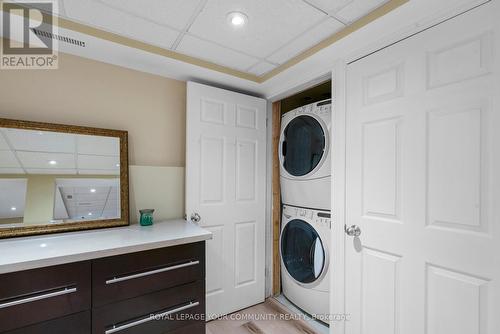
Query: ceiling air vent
point(44, 34)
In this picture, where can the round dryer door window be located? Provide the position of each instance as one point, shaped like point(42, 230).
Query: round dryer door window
point(303, 145)
point(302, 251)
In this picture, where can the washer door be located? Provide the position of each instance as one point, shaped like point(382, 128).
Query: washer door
point(302, 251)
point(303, 145)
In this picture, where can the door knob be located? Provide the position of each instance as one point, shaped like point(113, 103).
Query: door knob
point(353, 231)
point(195, 218)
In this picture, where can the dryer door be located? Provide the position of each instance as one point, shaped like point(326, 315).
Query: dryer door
point(302, 252)
point(303, 145)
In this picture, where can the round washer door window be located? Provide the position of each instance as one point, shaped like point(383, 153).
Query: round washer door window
point(303, 145)
point(302, 251)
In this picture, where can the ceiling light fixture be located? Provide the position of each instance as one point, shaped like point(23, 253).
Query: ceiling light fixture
point(92, 190)
point(90, 213)
point(13, 208)
point(52, 162)
point(237, 19)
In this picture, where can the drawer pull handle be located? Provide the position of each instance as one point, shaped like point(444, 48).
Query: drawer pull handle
point(152, 272)
point(61, 292)
point(151, 317)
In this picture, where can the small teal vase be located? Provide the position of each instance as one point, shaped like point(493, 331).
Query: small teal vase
point(146, 217)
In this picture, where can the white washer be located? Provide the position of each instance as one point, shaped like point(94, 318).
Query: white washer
point(304, 250)
point(305, 168)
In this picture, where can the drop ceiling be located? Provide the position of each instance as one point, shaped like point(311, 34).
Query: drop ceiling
point(40, 152)
point(278, 32)
point(87, 199)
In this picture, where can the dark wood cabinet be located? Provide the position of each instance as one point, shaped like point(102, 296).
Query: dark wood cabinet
point(157, 291)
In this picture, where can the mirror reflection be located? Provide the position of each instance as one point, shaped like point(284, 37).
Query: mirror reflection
point(52, 177)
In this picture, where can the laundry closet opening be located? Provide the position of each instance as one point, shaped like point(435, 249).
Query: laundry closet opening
point(302, 200)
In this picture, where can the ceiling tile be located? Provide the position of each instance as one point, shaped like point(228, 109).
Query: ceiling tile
point(174, 13)
point(86, 191)
point(28, 140)
point(39, 160)
point(102, 16)
point(323, 30)
point(3, 143)
point(269, 23)
point(8, 160)
point(356, 9)
point(261, 68)
point(330, 6)
point(98, 162)
point(98, 145)
point(212, 52)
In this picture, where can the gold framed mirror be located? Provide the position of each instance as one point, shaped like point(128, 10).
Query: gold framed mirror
point(60, 178)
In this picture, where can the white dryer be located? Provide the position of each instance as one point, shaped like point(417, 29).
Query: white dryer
point(305, 168)
point(304, 247)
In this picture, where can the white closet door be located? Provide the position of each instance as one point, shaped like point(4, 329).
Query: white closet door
point(225, 186)
point(423, 182)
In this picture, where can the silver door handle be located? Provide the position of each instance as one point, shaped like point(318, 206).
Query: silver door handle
point(116, 329)
point(195, 218)
point(61, 292)
point(353, 231)
point(152, 272)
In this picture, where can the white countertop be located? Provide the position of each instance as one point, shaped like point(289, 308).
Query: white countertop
point(52, 249)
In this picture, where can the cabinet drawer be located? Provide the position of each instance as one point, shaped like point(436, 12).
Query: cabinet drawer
point(176, 308)
point(78, 323)
point(127, 276)
point(32, 296)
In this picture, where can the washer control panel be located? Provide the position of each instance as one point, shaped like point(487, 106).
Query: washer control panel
point(318, 218)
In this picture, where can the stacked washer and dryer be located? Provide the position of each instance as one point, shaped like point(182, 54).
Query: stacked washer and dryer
point(305, 175)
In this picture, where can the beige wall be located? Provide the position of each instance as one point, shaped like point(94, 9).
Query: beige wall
point(39, 204)
point(90, 93)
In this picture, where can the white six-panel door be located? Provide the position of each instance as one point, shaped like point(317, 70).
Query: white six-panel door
point(225, 186)
point(423, 182)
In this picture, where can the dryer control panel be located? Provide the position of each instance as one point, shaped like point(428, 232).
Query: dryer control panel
point(320, 108)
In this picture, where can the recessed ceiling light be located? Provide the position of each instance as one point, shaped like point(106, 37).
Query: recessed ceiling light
point(13, 208)
point(52, 162)
point(92, 190)
point(117, 165)
point(237, 19)
point(90, 213)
